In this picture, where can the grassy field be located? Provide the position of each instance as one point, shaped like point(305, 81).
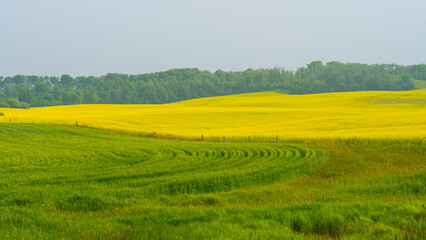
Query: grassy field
point(374, 115)
point(346, 165)
point(65, 182)
point(419, 84)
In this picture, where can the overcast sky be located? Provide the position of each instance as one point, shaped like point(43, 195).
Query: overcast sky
point(95, 37)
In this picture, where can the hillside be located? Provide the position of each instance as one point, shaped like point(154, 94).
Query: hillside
point(419, 84)
point(65, 182)
point(378, 114)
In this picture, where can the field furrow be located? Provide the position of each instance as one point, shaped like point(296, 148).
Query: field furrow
point(155, 166)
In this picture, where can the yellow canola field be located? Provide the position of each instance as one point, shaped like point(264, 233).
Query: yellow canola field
point(380, 114)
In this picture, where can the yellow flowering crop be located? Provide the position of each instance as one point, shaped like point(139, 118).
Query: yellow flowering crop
point(379, 114)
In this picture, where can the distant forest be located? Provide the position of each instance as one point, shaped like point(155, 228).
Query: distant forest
point(181, 84)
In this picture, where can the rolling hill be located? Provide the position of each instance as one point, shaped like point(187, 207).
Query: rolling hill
point(331, 115)
point(65, 182)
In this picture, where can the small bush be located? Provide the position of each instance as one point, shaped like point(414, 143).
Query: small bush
point(4, 104)
point(1, 114)
point(13, 103)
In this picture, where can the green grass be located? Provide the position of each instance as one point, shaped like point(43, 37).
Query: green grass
point(78, 183)
point(419, 84)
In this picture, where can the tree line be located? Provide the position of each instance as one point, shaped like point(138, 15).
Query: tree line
point(181, 84)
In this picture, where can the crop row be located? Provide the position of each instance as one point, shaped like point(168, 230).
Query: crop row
point(49, 155)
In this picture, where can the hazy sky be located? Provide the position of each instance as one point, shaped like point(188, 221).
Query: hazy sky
point(95, 37)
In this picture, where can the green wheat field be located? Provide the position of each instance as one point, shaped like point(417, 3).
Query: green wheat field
point(67, 182)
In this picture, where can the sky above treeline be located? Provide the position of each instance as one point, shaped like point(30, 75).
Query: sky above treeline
point(95, 37)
